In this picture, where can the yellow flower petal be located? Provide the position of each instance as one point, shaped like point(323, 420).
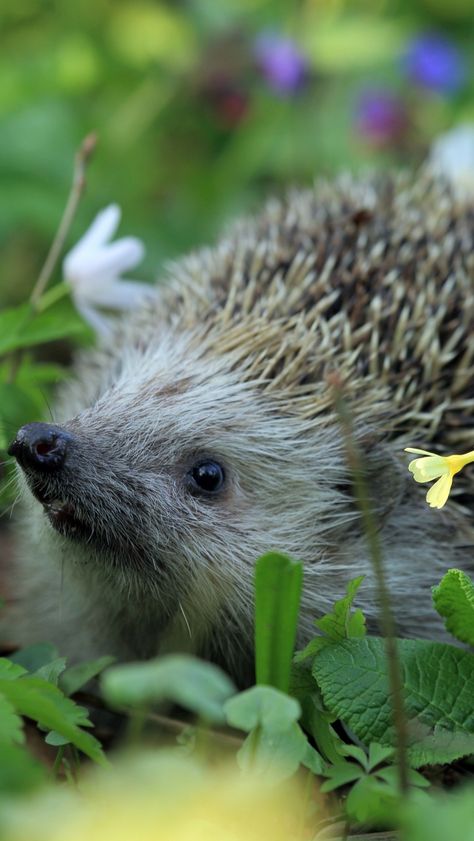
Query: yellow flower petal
point(420, 452)
point(426, 469)
point(456, 463)
point(438, 494)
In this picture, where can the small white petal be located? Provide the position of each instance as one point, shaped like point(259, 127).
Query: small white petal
point(130, 294)
point(94, 266)
point(452, 155)
point(100, 323)
point(118, 257)
point(102, 228)
point(121, 294)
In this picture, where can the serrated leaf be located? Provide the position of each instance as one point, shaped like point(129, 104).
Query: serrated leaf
point(278, 582)
point(372, 802)
point(438, 683)
point(198, 686)
point(340, 774)
point(45, 704)
point(378, 754)
point(454, 600)
point(10, 670)
point(33, 657)
point(11, 725)
point(340, 624)
point(356, 753)
point(390, 775)
point(311, 649)
point(51, 671)
point(262, 706)
point(77, 676)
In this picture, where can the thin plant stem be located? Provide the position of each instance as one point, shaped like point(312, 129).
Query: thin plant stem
point(386, 620)
point(58, 760)
point(83, 156)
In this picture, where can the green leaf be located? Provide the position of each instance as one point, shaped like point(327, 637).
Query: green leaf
point(77, 676)
point(315, 719)
point(17, 407)
point(454, 600)
point(446, 817)
point(19, 772)
point(22, 327)
point(438, 682)
point(340, 774)
point(10, 670)
point(378, 754)
point(356, 753)
point(262, 706)
point(277, 598)
point(11, 725)
point(33, 657)
point(373, 802)
point(313, 760)
point(52, 671)
point(55, 739)
point(341, 623)
point(198, 686)
point(274, 753)
point(45, 704)
point(390, 775)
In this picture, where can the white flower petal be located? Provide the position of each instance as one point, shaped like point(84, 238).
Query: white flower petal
point(121, 294)
point(102, 228)
point(100, 323)
point(452, 155)
point(93, 270)
point(107, 262)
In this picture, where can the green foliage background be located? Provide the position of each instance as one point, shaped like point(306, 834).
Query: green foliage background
point(190, 132)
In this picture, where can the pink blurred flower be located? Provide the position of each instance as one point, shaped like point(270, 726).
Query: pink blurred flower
point(381, 116)
point(281, 62)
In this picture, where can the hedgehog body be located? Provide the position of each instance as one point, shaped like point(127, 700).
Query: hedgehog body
point(368, 280)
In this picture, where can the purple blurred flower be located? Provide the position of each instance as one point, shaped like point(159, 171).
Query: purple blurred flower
point(381, 116)
point(281, 63)
point(434, 61)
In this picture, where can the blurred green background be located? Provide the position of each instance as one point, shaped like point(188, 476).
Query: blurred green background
point(204, 107)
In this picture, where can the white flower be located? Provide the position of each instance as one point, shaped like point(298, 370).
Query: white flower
point(93, 267)
point(452, 155)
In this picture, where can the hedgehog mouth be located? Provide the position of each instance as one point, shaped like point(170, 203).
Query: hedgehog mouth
point(62, 515)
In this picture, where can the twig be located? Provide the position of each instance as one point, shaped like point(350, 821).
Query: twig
point(83, 156)
point(386, 621)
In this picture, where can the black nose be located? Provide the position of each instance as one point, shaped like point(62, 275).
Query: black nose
point(40, 446)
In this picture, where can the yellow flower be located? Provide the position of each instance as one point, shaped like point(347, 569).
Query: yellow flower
point(161, 796)
point(442, 468)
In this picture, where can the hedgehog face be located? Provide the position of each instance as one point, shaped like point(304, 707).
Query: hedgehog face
point(176, 479)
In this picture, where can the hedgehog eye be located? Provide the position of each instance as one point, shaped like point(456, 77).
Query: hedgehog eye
point(207, 476)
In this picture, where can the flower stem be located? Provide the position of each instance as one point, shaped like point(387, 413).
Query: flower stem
point(60, 290)
point(386, 620)
point(82, 158)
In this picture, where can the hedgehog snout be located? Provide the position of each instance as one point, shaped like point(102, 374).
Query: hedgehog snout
point(41, 447)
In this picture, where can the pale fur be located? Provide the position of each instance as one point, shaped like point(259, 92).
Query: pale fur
point(232, 363)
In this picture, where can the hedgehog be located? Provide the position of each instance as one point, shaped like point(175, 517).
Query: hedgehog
point(203, 432)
